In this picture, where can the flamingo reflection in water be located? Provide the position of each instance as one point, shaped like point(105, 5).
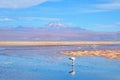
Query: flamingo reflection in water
point(72, 72)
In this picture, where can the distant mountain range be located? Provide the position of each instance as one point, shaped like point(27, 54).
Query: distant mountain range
point(55, 31)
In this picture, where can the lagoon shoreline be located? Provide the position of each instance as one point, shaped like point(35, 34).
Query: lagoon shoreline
point(111, 54)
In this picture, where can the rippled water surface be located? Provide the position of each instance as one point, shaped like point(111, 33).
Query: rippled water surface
point(45, 63)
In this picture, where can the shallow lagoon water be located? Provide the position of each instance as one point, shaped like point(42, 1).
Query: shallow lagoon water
point(45, 63)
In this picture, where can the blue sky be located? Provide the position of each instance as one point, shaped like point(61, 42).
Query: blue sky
point(97, 15)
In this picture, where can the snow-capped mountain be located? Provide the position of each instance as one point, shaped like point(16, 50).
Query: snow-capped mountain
point(56, 25)
point(55, 31)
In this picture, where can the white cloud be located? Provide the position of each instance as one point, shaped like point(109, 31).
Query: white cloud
point(5, 19)
point(29, 18)
point(93, 10)
point(111, 4)
point(21, 3)
point(39, 18)
point(115, 26)
point(105, 6)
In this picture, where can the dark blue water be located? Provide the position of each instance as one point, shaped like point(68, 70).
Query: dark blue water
point(45, 63)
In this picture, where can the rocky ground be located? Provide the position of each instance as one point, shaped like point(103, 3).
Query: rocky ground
point(111, 54)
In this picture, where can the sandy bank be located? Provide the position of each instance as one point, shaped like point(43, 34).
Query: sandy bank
point(111, 54)
point(54, 43)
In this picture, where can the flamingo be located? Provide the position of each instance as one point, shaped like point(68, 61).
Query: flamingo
point(73, 59)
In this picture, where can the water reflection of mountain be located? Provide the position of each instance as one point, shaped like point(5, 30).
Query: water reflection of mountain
point(47, 51)
point(45, 64)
